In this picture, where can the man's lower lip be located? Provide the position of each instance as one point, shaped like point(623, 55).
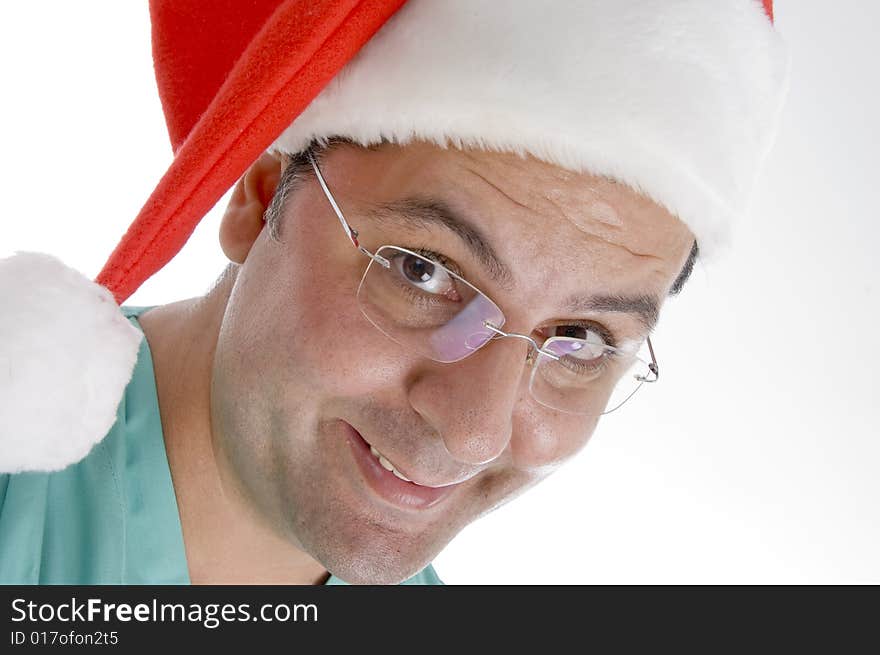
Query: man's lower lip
point(388, 486)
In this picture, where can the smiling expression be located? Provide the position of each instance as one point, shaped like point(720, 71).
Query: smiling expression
point(311, 405)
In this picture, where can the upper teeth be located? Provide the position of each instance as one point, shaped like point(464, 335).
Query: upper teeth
point(388, 466)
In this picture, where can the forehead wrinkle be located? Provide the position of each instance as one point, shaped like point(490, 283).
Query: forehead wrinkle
point(608, 226)
point(498, 189)
point(611, 224)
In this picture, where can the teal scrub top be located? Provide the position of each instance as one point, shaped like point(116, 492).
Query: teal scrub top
point(112, 518)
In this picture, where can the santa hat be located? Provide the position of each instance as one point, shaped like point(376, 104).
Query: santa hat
point(679, 99)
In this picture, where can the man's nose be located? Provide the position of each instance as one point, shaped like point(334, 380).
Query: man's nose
point(470, 402)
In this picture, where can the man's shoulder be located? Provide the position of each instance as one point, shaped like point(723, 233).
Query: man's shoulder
point(133, 311)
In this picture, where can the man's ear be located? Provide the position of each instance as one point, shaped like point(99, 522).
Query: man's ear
point(243, 220)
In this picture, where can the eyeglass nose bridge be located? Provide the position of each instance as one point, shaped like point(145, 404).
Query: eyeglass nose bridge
point(537, 348)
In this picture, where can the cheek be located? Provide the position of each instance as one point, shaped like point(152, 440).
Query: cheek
point(336, 352)
point(319, 344)
point(543, 442)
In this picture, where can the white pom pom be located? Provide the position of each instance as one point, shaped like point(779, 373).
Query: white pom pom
point(66, 356)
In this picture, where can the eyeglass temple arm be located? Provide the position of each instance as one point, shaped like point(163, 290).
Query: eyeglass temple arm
point(653, 367)
point(349, 230)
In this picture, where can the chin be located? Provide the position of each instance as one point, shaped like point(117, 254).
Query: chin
point(360, 543)
point(374, 560)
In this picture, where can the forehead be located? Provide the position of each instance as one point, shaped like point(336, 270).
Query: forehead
point(545, 221)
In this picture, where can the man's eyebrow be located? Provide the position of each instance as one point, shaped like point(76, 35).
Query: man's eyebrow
point(426, 212)
point(645, 307)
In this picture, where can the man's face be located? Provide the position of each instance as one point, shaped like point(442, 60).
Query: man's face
point(303, 383)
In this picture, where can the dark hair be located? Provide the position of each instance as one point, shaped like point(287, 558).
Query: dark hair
point(686, 270)
point(297, 167)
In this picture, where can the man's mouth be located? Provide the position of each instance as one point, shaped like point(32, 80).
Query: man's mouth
point(387, 465)
point(386, 481)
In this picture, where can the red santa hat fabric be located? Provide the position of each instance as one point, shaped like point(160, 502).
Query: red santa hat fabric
point(232, 75)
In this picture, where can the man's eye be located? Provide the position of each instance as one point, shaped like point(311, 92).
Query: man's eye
point(599, 340)
point(424, 274)
point(587, 333)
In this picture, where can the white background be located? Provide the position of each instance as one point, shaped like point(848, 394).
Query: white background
point(754, 460)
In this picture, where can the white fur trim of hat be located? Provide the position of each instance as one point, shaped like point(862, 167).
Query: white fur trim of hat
point(679, 99)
